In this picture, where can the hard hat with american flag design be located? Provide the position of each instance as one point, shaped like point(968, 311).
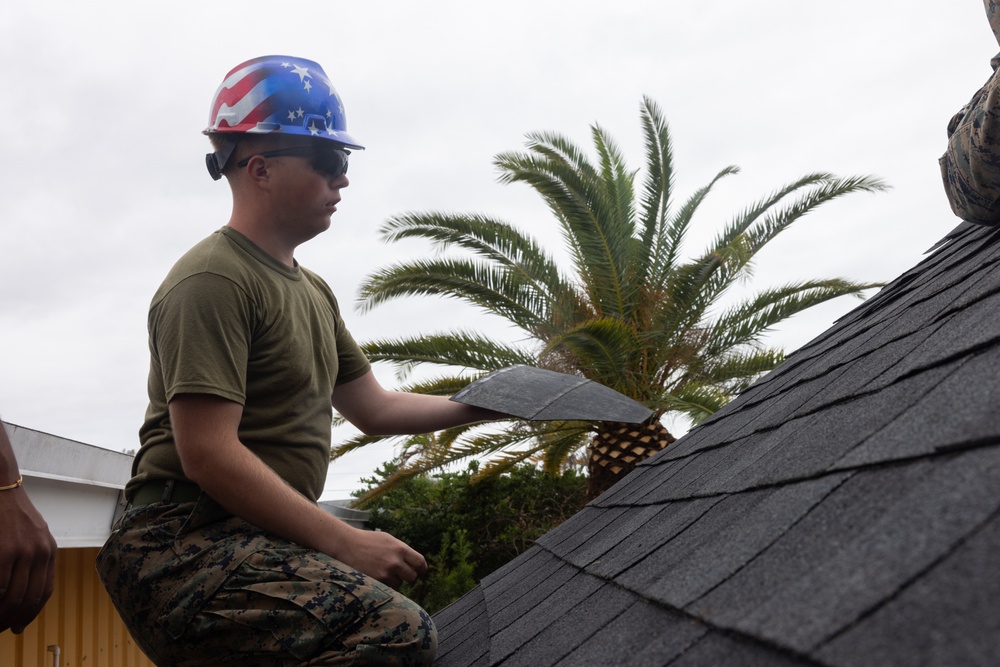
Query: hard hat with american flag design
point(277, 94)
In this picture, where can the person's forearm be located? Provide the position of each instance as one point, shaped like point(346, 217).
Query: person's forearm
point(239, 481)
point(376, 411)
point(27, 550)
point(404, 413)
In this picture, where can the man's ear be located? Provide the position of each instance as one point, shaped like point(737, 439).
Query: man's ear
point(257, 171)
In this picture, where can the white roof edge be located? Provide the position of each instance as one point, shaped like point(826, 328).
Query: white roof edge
point(95, 541)
point(53, 457)
point(72, 480)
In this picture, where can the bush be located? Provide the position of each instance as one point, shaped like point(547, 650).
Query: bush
point(468, 529)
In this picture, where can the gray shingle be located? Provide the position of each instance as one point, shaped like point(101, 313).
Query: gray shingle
point(507, 605)
point(723, 540)
point(518, 567)
point(587, 618)
point(462, 611)
point(580, 528)
point(961, 410)
point(463, 631)
point(860, 546)
point(611, 557)
point(643, 635)
point(717, 649)
point(545, 610)
point(863, 375)
point(824, 438)
point(953, 600)
point(628, 528)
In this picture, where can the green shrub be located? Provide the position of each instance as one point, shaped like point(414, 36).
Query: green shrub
point(468, 529)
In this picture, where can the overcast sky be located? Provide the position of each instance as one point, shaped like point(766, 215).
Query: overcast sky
point(104, 187)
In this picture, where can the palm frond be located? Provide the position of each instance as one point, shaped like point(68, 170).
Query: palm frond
point(444, 385)
point(738, 369)
point(826, 189)
point(675, 231)
point(355, 443)
point(463, 349)
point(750, 214)
point(747, 321)
point(602, 349)
point(696, 402)
point(762, 222)
point(589, 203)
point(455, 446)
point(659, 182)
point(505, 461)
point(616, 193)
point(489, 238)
point(561, 442)
point(487, 286)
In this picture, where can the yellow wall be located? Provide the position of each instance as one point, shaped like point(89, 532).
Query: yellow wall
point(79, 618)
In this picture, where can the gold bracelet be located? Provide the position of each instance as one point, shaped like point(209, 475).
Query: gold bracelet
point(11, 487)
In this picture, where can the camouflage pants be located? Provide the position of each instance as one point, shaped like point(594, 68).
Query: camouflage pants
point(196, 586)
point(970, 167)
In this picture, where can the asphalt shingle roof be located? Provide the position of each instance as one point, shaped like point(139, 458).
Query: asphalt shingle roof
point(844, 510)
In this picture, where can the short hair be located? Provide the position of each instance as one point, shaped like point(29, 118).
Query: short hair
point(221, 139)
point(256, 142)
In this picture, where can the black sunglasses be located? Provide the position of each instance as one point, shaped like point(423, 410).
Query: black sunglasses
point(331, 162)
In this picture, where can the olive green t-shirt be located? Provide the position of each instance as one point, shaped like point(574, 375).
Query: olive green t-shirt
point(232, 321)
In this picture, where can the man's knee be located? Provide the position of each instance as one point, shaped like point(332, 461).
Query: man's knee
point(970, 168)
point(968, 199)
point(397, 633)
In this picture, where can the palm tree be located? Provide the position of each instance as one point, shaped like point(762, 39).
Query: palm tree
point(631, 313)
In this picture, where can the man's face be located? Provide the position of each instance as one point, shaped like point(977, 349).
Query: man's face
point(306, 180)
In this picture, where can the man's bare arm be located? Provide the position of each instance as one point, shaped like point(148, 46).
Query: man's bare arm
point(378, 411)
point(27, 549)
point(206, 432)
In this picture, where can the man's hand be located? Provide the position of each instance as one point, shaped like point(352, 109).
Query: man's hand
point(381, 556)
point(27, 561)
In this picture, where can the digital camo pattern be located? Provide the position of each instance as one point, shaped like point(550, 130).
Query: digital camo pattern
point(971, 165)
point(992, 15)
point(198, 587)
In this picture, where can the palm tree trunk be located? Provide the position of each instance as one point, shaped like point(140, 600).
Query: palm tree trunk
point(618, 448)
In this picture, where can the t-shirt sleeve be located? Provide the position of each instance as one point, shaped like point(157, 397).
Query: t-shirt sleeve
point(200, 332)
point(352, 362)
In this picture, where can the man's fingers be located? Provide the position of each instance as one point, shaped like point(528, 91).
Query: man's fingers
point(409, 575)
point(27, 579)
point(13, 595)
point(399, 574)
point(40, 585)
point(417, 563)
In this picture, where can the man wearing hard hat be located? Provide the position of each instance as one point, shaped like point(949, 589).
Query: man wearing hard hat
point(223, 556)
